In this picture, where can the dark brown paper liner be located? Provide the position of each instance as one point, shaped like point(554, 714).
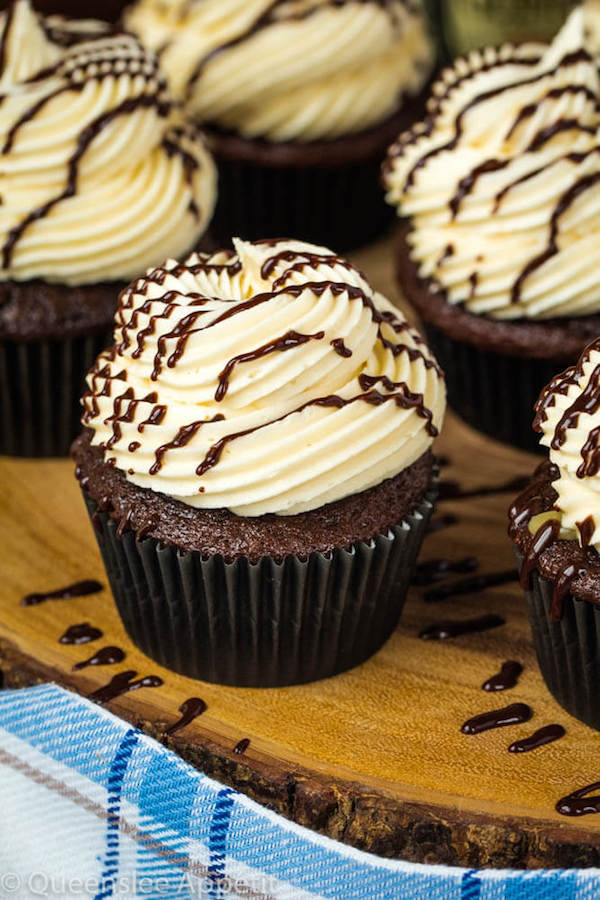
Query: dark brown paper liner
point(339, 206)
point(41, 383)
point(493, 392)
point(261, 624)
point(568, 650)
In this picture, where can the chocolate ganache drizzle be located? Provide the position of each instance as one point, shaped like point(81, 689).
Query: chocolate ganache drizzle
point(100, 173)
point(501, 181)
point(568, 418)
point(288, 69)
point(224, 388)
point(561, 503)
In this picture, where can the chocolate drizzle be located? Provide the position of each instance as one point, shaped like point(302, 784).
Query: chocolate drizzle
point(546, 535)
point(452, 490)
point(569, 59)
point(542, 736)
point(106, 656)
point(85, 140)
point(183, 437)
point(438, 523)
point(8, 23)
point(470, 585)
point(528, 504)
point(79, 589)
point(515, 714)
point(268, 17)
point(340, 348)
point(590, 454)
point(556, 93)
point(586, 530)
point(442, 631)
point(588, 402)
point(578, 803)
point(566, 200)
point(400, 395)
point(300, 260)
point(80, 634)
point(466, 184)
point(289, 341)
point(190, 709)
point(124, 683)
point(155, 418)
point(437, 569)
point(506, 678)
point(561, 589)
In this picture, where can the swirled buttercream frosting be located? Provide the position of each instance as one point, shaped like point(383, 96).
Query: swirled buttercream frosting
point(272, 379)
point(100, 175)
point(290, 69)
point(501, 181)
point(568, 417)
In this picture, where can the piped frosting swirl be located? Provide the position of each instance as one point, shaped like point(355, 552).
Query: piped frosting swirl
point(100, 175)
point(501, 182)
point(568, 417)
point(288, 69)
point(269, 380)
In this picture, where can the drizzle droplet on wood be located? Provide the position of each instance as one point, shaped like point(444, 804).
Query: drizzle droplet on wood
point(514, 714)
point(539, 738)
point(442, 631)
point(79, 589)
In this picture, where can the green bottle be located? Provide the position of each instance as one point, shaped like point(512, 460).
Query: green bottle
point(463, 25)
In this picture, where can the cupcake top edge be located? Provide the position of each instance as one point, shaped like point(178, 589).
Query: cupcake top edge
point(292, 70)
point(100, 174)
point(268, 379)
point(501, 181)
point(568, 418)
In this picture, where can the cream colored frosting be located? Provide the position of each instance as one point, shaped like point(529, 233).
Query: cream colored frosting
point(293, 70)
point(568, 416)
point(99, 176)
point(501, 183)
point(282, 340)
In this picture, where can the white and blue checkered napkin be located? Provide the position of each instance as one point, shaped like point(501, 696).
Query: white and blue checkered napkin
point(90, 807)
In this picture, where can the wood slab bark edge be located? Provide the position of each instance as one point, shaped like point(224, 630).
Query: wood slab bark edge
point(347, 811)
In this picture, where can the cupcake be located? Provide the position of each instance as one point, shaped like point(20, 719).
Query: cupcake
point(499, 191)
point(256, 460)
point(101, 177)
point(555, 525)
point(300, 101)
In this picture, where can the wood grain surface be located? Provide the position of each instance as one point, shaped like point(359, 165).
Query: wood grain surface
point(374, 757)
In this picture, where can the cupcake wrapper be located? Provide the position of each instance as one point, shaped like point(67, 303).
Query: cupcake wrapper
point(337, 206)
point(493, 392)
point(261, 624)
point(568, 650)
point(41, 383)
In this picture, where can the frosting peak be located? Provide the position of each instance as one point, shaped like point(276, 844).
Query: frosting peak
point(568, 417)
point(272, 379)
point(99, 174)
point(502, 180)
point(290, 69)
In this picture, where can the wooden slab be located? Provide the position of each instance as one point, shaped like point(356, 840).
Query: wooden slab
point(373, 757)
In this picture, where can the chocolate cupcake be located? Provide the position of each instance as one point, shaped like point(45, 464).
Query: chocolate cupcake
point(555, 524)
point(300, 101)
point(257, 463)
point(101, 178)
point(499, 189)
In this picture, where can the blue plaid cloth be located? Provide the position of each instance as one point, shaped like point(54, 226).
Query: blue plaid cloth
point(90, 807)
